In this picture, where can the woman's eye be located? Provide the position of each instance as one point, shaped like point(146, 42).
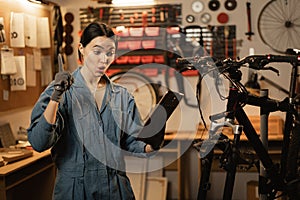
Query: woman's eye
point(97, 52)
point(110, 53)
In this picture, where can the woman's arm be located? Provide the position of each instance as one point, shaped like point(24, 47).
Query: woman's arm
point(51, 111)
point(45, 117)
point(42, 129)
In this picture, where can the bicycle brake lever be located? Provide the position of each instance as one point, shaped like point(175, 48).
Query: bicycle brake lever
point(272, 69)
point(186, 68)
point(217, 116)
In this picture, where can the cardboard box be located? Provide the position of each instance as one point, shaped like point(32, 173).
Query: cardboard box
point(252, 190)
point(275, 124)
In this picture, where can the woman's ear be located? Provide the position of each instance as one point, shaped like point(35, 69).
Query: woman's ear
point(80, 48)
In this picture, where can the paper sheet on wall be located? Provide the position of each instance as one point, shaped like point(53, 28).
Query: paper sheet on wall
point(46, 73)
point(17, 30)
point(43, 32)
point(8, 65)
point(18, 80)
point(30, 71)
point(2, 31)
point(37, 59)
point(30, 30)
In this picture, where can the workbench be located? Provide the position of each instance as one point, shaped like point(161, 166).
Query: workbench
point(31, 178)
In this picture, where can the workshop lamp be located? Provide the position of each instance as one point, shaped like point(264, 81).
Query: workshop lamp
point(133, 2)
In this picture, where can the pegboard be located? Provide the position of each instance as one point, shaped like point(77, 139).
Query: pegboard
point(218, 41)
point(19, 99)
point(161, 15)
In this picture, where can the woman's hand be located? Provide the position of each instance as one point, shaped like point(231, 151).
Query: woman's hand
point(148, 148)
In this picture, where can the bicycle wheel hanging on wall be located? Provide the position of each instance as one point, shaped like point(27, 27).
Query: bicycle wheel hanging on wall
point(279, 24)
point(141, 87)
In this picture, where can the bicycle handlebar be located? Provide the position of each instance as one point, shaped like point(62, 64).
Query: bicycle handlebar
point(194, 60)
point(257, 62)
point(260, 61)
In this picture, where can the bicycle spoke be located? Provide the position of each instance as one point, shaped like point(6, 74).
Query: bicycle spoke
point(294, 34)
point(291, 11)
point(279, 11)
point(275, 15)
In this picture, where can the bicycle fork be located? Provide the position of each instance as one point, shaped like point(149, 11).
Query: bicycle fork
point(233, 161)
point(229, 160)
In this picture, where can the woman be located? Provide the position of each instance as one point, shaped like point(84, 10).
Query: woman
point(89, 122)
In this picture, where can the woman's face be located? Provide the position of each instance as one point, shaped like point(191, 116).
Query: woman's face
point(98, 55)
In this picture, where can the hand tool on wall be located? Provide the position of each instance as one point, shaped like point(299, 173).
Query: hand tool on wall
point(153, 18)
point(144, 18)
point(121, 14)
point(132, 20)
point(166, 12)
point(100, 14)
point(136, 15)
point(110, 15)
point(162, 14)
point(249, 33)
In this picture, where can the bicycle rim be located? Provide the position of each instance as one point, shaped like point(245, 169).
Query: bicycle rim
point(279, 24)
point(141, 87)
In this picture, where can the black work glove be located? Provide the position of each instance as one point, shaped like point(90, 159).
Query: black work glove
point(62, 82)
point(156, 141)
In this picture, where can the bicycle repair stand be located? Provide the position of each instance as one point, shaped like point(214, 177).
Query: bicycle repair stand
point(264, 116)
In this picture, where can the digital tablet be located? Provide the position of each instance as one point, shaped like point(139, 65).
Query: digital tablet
point(153, 131)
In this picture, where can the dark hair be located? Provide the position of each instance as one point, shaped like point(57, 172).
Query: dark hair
point(93, 30)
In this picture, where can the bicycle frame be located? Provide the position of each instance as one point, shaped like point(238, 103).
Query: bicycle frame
point(278, 177)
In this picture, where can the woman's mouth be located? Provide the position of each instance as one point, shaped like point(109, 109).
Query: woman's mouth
point(100, 69)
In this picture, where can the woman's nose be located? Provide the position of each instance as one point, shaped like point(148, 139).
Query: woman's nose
point(103, 58)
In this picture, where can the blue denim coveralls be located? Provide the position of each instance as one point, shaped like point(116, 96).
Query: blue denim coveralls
point(86, 142)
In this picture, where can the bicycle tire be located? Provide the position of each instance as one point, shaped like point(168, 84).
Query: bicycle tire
point(279, 24)
point(141, 87)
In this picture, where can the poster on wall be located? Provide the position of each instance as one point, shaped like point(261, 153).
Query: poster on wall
point(2, 31)
point(46, 73)
point(43, 33)
point(18, 80)
point(37, 59)
point(30, 71)
point(30, 29)
point(17, 30)
point(8, 65)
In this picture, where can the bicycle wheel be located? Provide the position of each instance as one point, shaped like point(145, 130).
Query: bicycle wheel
point(140, 87)
point(279, 24)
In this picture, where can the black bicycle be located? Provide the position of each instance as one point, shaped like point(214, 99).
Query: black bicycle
point(277, 180)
